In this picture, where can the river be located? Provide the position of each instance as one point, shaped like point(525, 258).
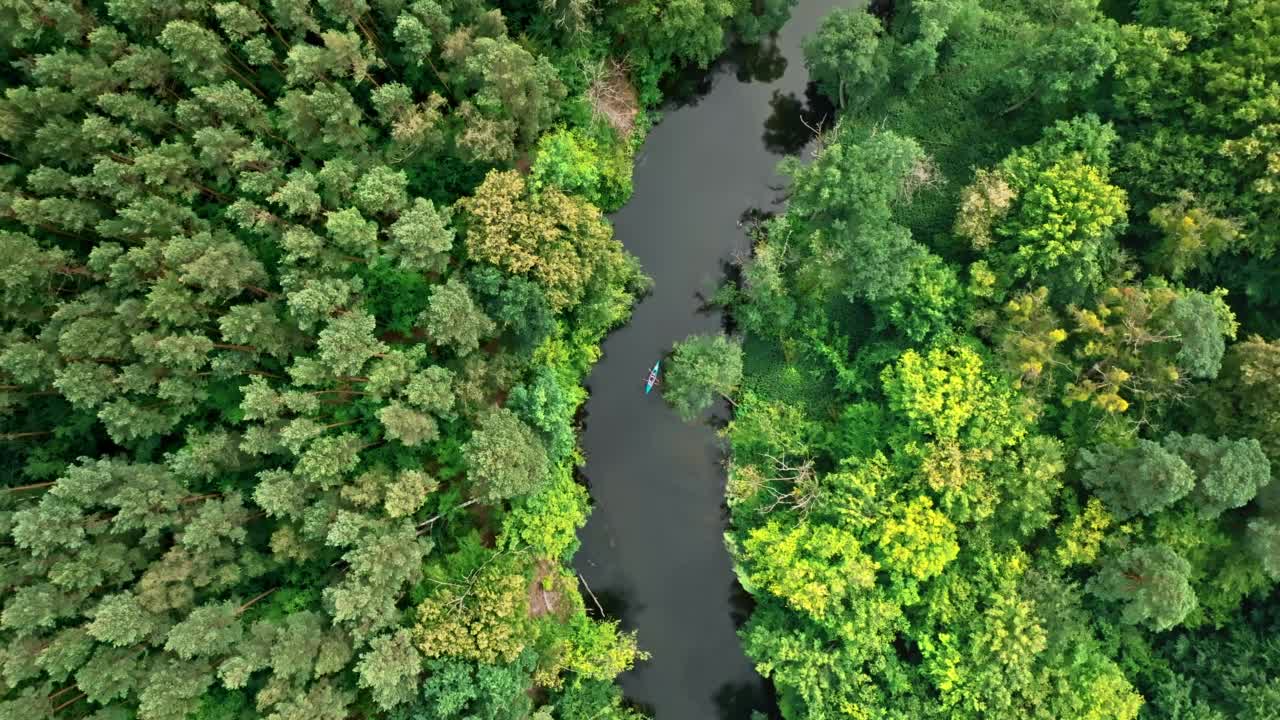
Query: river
point(653, 551)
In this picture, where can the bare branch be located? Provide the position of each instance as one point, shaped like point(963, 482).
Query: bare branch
point(593, 595)
point(427, 523)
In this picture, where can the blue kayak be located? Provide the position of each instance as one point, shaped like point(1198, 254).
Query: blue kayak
point(653, 378)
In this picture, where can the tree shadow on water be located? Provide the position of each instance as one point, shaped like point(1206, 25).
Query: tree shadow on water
point(753, 218)
point(794, 122)
point(710, 296)
point(745, 701)
point(757, 62)
point(616, 602)
point(750, 62)
point(687, 86)
point(741, 604)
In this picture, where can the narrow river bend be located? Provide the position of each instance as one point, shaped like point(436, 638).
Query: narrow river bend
point(653, 550)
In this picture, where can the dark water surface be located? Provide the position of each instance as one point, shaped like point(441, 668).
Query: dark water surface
point(653, 551)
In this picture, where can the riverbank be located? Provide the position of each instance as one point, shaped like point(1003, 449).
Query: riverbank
point(653, 550)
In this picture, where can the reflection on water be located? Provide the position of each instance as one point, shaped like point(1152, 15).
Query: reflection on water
point(616, 602)
point(741, 601)
point(761, 62)
point(794, 122)
point(758, 62)
point(653, 551)
point(744, 701)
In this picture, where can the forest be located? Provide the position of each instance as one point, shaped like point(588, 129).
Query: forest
point(1006, 401)
point(297, 300)
point(295, 307)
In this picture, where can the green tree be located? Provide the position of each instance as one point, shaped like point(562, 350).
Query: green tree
point(209, 631)
point(1202, 325)
point(922, 29)
point(1062, 230)
point(504, 457)
point(407, 425)
point(1176, 121)
point(668, 33)
point(842, 205)
point(1143, 344)
point(484, 619)
point(560, 241)
point(702, 367)
point(1264, 540)
point(920, 543)
point(1191, 236)
point(813, 568)
point(548, 405)
point(453, 319)
point(959, 459)
point(390, 668)
point(848, 56)
point(946, 394)
point(519, 306)
point(1143, 479)
point(1228, 473)
point(578, 164)
point(1246, 397)
point(237, 332)
point(510, 83)
point(547, 521)
point(1152, 582)
point(1060, 50)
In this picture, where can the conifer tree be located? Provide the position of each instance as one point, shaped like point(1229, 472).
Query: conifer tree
point(241, 346)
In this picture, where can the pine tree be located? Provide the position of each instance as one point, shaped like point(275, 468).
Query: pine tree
point(1143, 479)
point(1229, 473)
point(504, 457)
point(1152, 582)
point(241, 366)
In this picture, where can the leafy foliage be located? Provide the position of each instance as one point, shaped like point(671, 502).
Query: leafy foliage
point(844, 57)
point(998, 451)
point(701, 368)
point(260, 325)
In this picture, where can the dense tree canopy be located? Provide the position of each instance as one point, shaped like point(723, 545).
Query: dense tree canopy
point(1005, 442)
point(297, 299)
point(702, 368)
point(296, 303)
point(845, 58)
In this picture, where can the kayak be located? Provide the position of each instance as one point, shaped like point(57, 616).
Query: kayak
point(653, 378)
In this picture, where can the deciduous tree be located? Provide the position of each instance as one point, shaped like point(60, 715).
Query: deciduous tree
point(849, 56)
point(702, 367)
